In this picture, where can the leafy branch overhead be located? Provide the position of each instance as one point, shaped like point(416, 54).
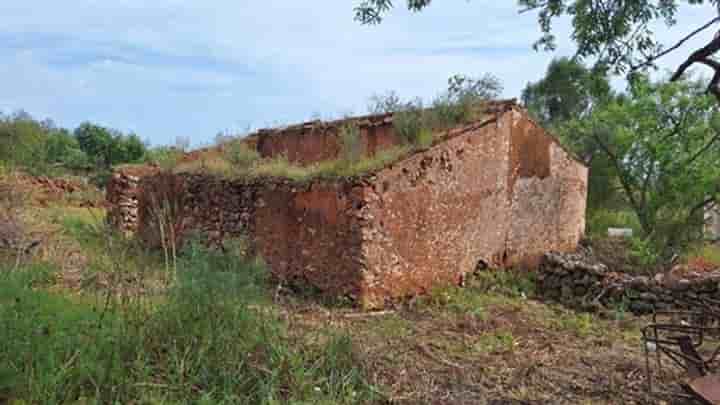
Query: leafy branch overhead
point(618, 34)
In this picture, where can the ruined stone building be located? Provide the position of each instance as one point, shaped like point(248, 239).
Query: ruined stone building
point(498, 192)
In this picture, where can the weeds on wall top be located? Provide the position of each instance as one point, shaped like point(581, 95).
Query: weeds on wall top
point(352, 148)
point(460, 104)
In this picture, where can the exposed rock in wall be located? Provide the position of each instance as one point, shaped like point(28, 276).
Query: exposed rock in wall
point(499, 192)
point(121, 195)
point(580, 281)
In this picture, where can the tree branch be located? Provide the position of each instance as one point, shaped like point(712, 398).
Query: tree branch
point(650, 61)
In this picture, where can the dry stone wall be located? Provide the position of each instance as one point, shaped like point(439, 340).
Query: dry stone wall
point(495, 193)
point(579, 281)
point(122, 194)
point(307, 233)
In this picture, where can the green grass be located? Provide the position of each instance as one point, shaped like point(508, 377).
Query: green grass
point(484, 289)
point(707, 253)
point(280, 167)
point(580, 324)
point(214, 338)
point(500, 341)
point(599, 220)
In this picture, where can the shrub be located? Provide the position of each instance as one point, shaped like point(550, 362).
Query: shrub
point(599, 220)
point(352, 147)
point(165, 157)
point(409, 122)
point(240, 155)
point(214, 338)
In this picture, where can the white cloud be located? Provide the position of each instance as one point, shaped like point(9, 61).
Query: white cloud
point(187, 67)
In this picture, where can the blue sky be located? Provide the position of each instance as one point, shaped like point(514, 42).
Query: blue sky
point(191, 68)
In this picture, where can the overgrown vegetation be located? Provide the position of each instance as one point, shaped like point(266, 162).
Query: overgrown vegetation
point(462, 103)
point(42, 148)
point(281, 167)
point(662, 142)
point(212, 337)
point(352, 148)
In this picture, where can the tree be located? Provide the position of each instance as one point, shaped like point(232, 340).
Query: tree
point(23, 142)
point(617, 34)
point(663, 144)
point(568, 91)
point(96, 142)
point(109, 146)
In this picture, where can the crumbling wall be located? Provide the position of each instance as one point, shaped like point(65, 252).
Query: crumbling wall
point(307, 233)
point(121, 194)
point(548, 195)
point(434, 217)
point(580, 281)
point(311, 235)
point(316, 141)
point(491, 194)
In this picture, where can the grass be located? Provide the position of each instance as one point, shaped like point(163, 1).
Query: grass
point(703, 256)
point(599, 220)
point(280, 167)
point(501, 341)
point(212, 335)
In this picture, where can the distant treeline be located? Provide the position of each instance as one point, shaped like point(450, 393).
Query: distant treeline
point(43, 148)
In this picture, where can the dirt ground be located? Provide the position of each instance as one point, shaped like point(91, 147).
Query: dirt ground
point(489, 342)
point(491, 348)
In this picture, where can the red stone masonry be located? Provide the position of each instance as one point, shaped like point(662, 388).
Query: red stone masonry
point(500, 192)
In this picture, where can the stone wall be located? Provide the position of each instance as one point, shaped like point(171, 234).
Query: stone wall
point(496, 193)
point(579, 281)
point(319, 141)
point(307, 233)
point(430, 219)
point(548, 193)
point(121, 195)
point(500, 194)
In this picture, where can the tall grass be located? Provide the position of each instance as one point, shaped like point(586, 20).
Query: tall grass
point(213, 338)
point(281, 167)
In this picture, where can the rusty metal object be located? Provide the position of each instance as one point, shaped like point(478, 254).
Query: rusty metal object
point(705, 389)
point(690, 340)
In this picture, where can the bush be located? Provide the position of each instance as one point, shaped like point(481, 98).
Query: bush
point(240, 155)
point(599, 220)
point(214, 339)
point(352, 148)
point(165, 157)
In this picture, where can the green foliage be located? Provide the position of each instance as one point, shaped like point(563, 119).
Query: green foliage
point(41, 148)
point(581, 324)
point(107, 146)
point(645, 251)
point(482, 288)
point(23, 143)
point(460, 104)
point(240, 155)
point(213, 339)
point(497, 342)
point(617, 33)
point(351, 144)
point(166, 157)
point(568, 91)
point(599, 220)
point(663, 144)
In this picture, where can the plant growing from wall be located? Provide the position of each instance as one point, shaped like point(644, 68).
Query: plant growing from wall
point(463, 102)
point(240, 155)
point(352, 148)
